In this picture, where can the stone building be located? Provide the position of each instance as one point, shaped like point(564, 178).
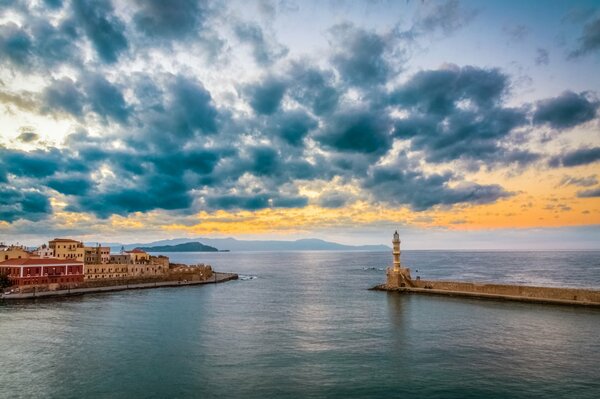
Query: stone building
point(13, 252)
point(44, 251)
point(42, 271)
point(66, 248)
point(138, 256)
point(97, 255)
point(109, 271)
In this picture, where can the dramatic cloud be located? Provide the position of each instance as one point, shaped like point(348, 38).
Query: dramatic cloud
point(400, 184)
point(64, 96)
point(264, 52)
point(266, 96)
point(565, 111)
point(175, 19)
point(102, 27)
point(360, 55)
point(592, 193)
point(457, 113)
point(153, 106)
point(22, 204)
point(589, 41)
point(582, 156)
point(357, 130)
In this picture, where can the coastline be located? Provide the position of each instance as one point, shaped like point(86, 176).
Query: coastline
point(218, 277)
point(503, 292)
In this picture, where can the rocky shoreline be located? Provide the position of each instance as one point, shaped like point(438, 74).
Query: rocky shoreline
point(217, 277)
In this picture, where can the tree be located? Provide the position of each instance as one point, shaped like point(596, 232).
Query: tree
point(4, 280)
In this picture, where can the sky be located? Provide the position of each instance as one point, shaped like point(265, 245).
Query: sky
point(463, 124)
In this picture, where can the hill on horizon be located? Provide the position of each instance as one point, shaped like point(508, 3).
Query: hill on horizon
point(193, 246)
point(232, 244)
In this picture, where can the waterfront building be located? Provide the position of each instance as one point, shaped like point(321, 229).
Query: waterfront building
point(13, 252)
point(96, 255)
point(44, 251)
point(136, 263)
point(138, 256)
point(42, 271)
point(107, 271)
point(66, 248)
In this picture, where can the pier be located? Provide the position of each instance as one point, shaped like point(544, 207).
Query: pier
point(400, 280)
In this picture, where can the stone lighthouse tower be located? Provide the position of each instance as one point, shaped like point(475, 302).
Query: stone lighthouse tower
point(398, 276)
point(396, 252)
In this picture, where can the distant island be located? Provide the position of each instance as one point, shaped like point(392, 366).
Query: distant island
point(185, 247)
point(232, 244)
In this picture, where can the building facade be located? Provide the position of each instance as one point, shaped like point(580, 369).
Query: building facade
point(138, 256)
point(44, 251)
point(106, 271)
point(42, 271)
point(66, 248)
point(96, 255)
point(13, 252)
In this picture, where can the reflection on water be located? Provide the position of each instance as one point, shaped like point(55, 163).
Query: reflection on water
point(304, 325)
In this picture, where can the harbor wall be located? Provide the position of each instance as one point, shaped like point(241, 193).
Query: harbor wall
point(524, 293)
point(217, 277)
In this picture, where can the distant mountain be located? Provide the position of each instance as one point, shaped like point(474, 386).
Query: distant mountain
point(185, 247)
point(232, 244)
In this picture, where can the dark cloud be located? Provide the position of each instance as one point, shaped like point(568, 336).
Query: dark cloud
point(565, 111)
point(360, 55)
point(438, 92)
point(102, 27)
point(15, 44)
point(151, 192)
point(293, 126)
point(28, 137)
point(264, 51)
point(358, 130)
point(173, 19)
point(582, 156)
point(589, 41)
point(18, 204)
point(105, 98)
point(591, 193)
point(39, 44)
point(332, 199)
point(69, 184)
point(265, 97)
point(404, 185)
point(457, 113)
point(63, 96)
point(314, 88)
point(36, 164)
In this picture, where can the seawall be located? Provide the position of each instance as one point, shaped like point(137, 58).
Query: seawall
point(523, 293)
point(218, 277)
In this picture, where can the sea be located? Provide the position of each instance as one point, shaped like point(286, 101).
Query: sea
point(306, 325)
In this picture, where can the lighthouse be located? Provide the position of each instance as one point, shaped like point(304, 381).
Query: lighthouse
point(398, 276)
point(396, 252)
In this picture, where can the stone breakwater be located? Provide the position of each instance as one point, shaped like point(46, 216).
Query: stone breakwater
point(217, 277)
point(522, 293)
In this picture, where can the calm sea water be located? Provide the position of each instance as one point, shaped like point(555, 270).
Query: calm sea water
point(303, 325)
